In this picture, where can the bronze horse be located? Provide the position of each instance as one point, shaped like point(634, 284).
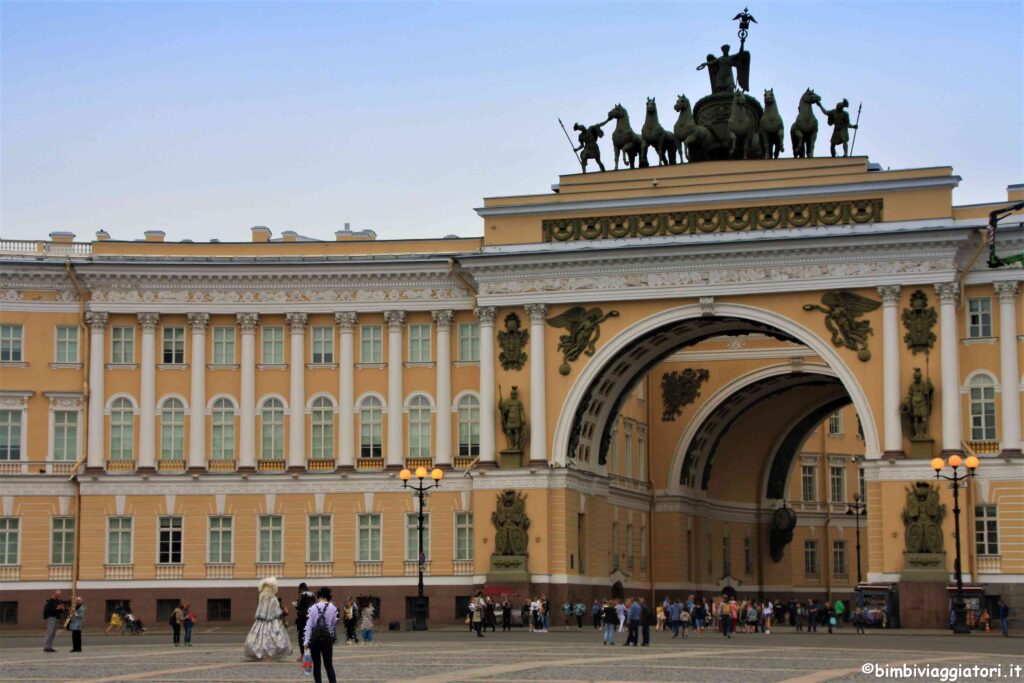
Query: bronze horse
point(694, 140)
point(804, 130)
point(773, 131)
point(665, 144)
point(624, 139)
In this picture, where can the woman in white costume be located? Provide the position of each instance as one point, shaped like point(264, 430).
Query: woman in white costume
point(268, 638)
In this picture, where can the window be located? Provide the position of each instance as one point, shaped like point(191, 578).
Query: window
point(469, 342)
point(986, 530)
point(319, 538)
point(629, 547)
point(220, 540)
point(218, 609)
point(862, 485)
point(172, 430)
point(412, 541)
point(122, 345)
point(419, 343)
point(273, 345)
point(808, 482)
point(222, 430)
point(165, 607)
point(8, 612)
point(615, 545)
point(748, 557)
point(67, 344)
point(10, 434)
point(119, 540)
point(983, 409)
point(419, 427)
point(174, 345)
point(9, 527)
point(223, 345)
point(122, 429)
point(835, 424)
point(810, 558)
point(463, 536)
point(641, 454)
point(369, 537)
point(726, 556)
point(469, 426)
point(272, 427)
point(627, 451)
point(979, 321)
point(323, 345)
point(371, 428)
point(10, 343)
point(837, 483)
point(62, 540)
point(371, 347)
point(271, 531)
point(65, 435)
point(322, 433)
point(170, 540)
point(839, 558)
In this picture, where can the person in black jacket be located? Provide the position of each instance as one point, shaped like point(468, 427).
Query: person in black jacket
point(646, 617)
point(610, 619)
point(302, 605)
point(54, 611)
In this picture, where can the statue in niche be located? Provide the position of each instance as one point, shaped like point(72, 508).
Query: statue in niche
point(513, 343)
point(584, 331)
point(511, 524)
point(917, 406)
point(922, 518)
point(513, 420)
point(919, 320)
point(679, 389)
point(841, 311)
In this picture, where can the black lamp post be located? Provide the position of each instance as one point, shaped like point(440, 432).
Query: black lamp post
point(957, 481)
point(419, 622)
point(857, 508)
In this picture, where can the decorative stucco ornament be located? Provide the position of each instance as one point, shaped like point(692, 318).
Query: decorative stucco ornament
point(513, 343)
point(841, 311)
point(922, 518)
point(679, 389)
point(584, 331)
point(511, 524)
point(919, 320)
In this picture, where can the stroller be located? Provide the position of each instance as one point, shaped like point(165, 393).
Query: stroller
point(132, 625)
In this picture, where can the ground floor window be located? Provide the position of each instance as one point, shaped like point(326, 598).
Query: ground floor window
point(218, 609)
point(8, 612)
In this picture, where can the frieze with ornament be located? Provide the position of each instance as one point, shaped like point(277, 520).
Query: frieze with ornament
point(278, 296)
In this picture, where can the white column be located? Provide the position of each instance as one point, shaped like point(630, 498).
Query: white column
point(893, 442)
point(952, 429)
point(147, 391)
point(197, 397)
point(538, 392)
point(395, 321)
point(1008, 368)
point(443, 447)
point(488, 409)
point(97, 394)
point(297, 392)
point(247, 322)
point(346, 322)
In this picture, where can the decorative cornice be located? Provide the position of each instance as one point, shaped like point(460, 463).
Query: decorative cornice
point(395, 320)
point(1006, 291)
point(948, 292)
point(443, 319)
point(297, 322)
point(96, 320)
point(537, 312)
point(346, 320)
point(890, 295)
point(248, 322)
point(485, 314)
point(198, 321)
point(64, 400)
point(149, 321)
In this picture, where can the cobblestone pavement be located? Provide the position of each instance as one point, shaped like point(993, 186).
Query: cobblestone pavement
point(453, 656)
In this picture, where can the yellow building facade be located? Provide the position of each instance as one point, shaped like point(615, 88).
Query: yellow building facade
point(178, 420)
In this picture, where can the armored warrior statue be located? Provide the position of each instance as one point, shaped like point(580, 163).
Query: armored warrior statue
point(917, 406)
point(513, 419)
point(589, 135)
point(839, 119)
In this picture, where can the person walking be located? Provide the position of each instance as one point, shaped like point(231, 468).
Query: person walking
point(366, 624)
point(116, 620)
point(840, 609)
point(188, 620)
point(351, 616)
point(675, 609)
point(581, 611)
point(769, 614)
point(725, 618)
point(700, 615)
point(478, 614)
point(320, 634)
point(1003, 613)
point(177, 616)
point(506, 615)
point(302, 603)
point(646, 618)
point(596, 612)
point(610, 619)
point(634, 612)
point(620, 614)
point(75, 621)
point(858, 620)
point(54, 610)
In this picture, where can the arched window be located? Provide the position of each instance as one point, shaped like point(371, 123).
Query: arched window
point(469, 426)
point(222, 433)
point(172, 430)
point(322, 434)
point(371, 428)
point(272, 430)
point(983, 409)
point(122, 429)
point(419, 427)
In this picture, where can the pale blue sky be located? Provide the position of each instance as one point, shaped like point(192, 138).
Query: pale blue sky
point(205, 119)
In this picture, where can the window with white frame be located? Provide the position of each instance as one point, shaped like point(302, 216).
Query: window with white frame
point(119, 540)
point(221, 532)
point(174, 345)
point(748, 556)
point(66, 350)
point(986, 530)
point(11, 343)
point(319, 538)
point(323, 345)
point(10, 434)
point(322, 433)
point(469, 426)
point(835, 423)
point(172, 430)
point(979, 317)
point(10, 528)
point(862, 485)
point(809, 482)
point(222, 430)
point(641, 454)
point(272, 430)
point(122, 429)
point(169, 530)
point(837, 483)
point(271, 532)
point(469, 342)
point(65, 435)
point(122, 345)
point(368, 530)
point(839, 558)
point(273, 345)
point(371, 428)
point(463, 536)
point(412, 542)
point(983, 408)
point(419, 343)
point(62, 540)
point(810, 558)
point(371, 343)
point(419, 427)
point(223, 345)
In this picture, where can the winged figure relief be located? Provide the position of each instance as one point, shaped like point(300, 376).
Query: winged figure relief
point(584, 330)
point(842, 310)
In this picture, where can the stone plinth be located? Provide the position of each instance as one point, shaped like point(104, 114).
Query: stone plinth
point(508, 569)
point(923, 448)
point(510, 458)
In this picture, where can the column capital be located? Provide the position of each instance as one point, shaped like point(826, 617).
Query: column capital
point(890, 294)
point(443, 319)
point(97, 320)
point(198, 321)
point(1006, 291)
point(537, 312)
point(297, 321)
point(248, 322)
point(949, 292)
point(346, 320)
point(149, 321)
point(395, 320)
point(486, 314)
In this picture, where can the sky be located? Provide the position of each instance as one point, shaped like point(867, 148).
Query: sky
point(204, 119)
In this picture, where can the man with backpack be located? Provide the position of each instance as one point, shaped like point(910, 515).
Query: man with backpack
point(319, 634)
point(302, 605)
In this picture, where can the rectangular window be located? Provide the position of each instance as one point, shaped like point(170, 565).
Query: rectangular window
point(122, 345)
point(323, 345)
point(835, 424)
point(174, 345)
point(615, 545)
point(979, 317)
point(469, 342)
point(62, 540)
point(67, 344)
point(9, 528)
point(369, 537)
point(223, 345)
point(218, 609)
point(10, 434)
point(837, 483)
point(319, 538)
point(983, 413)
point(371, 343)
point(271, 532)
point(10, 343)
point(273, 346)
point(169, 529)
point(726, 557)
point(629, 547)
point(808, 482)
point(463, 535)
point(748, 557)
point(220, 540)
point(839, 558)
point(641, 455)
point(9, 612)
point(119, 540)
point(986, 530)
point(65, 435)
point(412, 545)
point(862, 485)
point(419, 343)
point(810, 558)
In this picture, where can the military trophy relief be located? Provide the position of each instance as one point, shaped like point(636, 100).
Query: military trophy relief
point(680, 389)
point(842, 310)
point(584, 329)
point(919, 321)
point(512, 341)
point(924, 557)
point(513, 426)
point(511, 539)
point(727, 124)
